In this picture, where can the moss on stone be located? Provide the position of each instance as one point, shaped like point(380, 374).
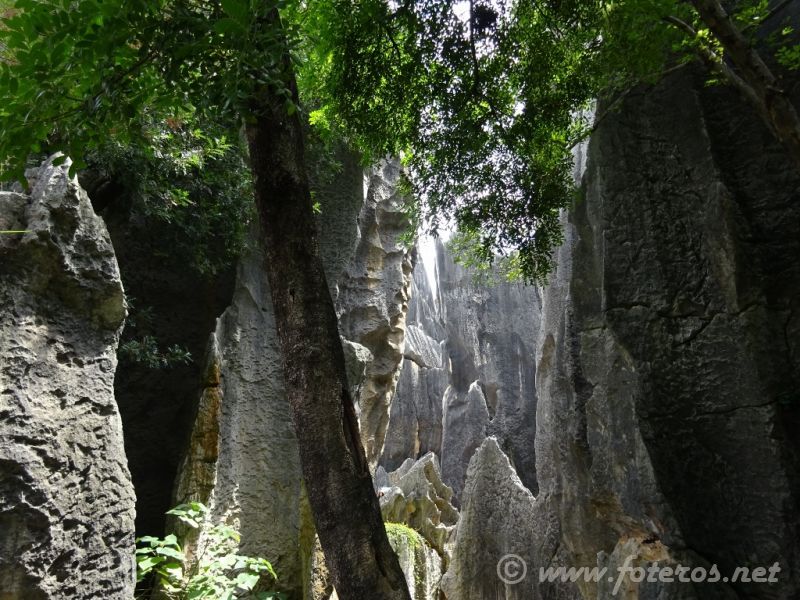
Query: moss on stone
point(400, 533)
point(409, 543)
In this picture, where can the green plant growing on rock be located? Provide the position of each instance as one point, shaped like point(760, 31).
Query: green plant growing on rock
point(400, 532)
point(217, 572)
point(411, 549)
point(147, 352)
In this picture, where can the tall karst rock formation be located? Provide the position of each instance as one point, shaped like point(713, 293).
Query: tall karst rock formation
point(641, 408)
point(468, 370)
point(669, 360)
point(66, 498)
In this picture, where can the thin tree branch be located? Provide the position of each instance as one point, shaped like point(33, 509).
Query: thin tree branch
point(472, 48)
point(389, 35)
point(774, 11)
point(680, 24)
point(714, 62)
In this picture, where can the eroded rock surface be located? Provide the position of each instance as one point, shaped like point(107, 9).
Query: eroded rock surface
point(66, 498)
point(415, 495)
point(373, 295)
point(668, 365)
point(415, 423)
point(495, 553)
point(244, 462)
point(420, 563)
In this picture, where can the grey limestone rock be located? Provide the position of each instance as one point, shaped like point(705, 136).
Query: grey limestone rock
point(496, 533)
point(468, 370)
point(66, 498)
point(373, 295)
point(667, 366)
point(421, 564)
point(243, 460)
point(465, 421)
point(415, 495)
point(415, 421)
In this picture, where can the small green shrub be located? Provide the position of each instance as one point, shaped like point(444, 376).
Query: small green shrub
point(147, 352)
point(217, 573)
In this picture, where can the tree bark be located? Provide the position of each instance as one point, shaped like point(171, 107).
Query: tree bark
point(345, 508)
point(770, 100)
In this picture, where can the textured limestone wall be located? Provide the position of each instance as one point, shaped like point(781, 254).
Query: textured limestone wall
point(415, 423)
point(243, 462)
point(668, 365)
point(66, 499)
point(421, 564)
point(497, 520)
point(415, 495)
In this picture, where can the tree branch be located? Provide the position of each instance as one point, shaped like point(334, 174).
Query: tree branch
point(472, 48)
point(389, 35)
point(713, 61)
point(680, 24)
point(760, 85)
point(774, 11)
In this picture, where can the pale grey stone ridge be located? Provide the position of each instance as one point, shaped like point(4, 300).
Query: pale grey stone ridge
point(415, 422)
point(373, 296)
point(499, 525)
point(66, 499)
point(415, 495)
point(468, 371)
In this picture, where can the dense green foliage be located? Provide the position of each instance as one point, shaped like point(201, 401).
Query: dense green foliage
point(77, 73)
point(217, 572)
point(111, 107)
point(484, 100)
point(191, 181)
point(487, 109)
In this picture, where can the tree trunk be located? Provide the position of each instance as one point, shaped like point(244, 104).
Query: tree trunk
point(345, 508)
point(765, 92)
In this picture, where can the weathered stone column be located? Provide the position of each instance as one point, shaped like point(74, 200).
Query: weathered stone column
point(66, 499)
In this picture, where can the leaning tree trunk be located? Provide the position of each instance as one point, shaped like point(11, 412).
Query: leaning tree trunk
point(343, 502)
point(754, 78)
